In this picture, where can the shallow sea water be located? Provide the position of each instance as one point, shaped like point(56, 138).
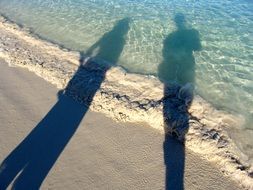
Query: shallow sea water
point(223, 65)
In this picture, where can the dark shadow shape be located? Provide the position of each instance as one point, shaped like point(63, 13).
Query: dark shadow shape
point(177, 72)
point(174, 155)
point(30, 162)
point(110, 46)
point(178, 61)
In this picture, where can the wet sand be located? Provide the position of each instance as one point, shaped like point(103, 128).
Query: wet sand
point(102, 153)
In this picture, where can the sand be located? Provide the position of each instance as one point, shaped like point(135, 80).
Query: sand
point(123, 97)
point(100, 154)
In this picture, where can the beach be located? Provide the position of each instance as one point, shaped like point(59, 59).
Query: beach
point(102, 154)
point(211, 156)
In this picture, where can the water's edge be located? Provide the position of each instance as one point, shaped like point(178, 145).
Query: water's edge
point(133, 98)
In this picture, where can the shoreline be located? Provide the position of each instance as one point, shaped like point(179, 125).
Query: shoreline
point(135, 98)
point(123, 155)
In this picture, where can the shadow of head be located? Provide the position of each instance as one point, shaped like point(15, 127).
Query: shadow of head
point(122, 26)
point(180, 21)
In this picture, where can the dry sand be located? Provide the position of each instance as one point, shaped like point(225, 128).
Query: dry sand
point(101, 154)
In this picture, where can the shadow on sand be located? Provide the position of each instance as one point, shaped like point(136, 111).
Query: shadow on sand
point(30, 162)
point(177, 72)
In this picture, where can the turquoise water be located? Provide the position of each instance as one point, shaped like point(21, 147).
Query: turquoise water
point(223, 61)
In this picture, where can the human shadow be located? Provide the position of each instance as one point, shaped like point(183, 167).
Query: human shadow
point(30, 162)
point(177, 72)
point(110, 46)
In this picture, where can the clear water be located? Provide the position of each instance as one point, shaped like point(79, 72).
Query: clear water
point(223, 67)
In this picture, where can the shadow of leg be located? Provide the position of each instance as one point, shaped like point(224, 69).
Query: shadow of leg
point(37, 153)
point(176, 125)
point(174, 159)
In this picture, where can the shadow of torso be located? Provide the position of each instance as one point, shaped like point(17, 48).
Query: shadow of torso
point(178, 61)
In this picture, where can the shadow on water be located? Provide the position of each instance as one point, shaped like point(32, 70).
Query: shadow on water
point(30, 162)
point(177, 72)
point(110, 46)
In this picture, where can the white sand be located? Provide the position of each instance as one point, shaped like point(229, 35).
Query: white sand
point(102, 154)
